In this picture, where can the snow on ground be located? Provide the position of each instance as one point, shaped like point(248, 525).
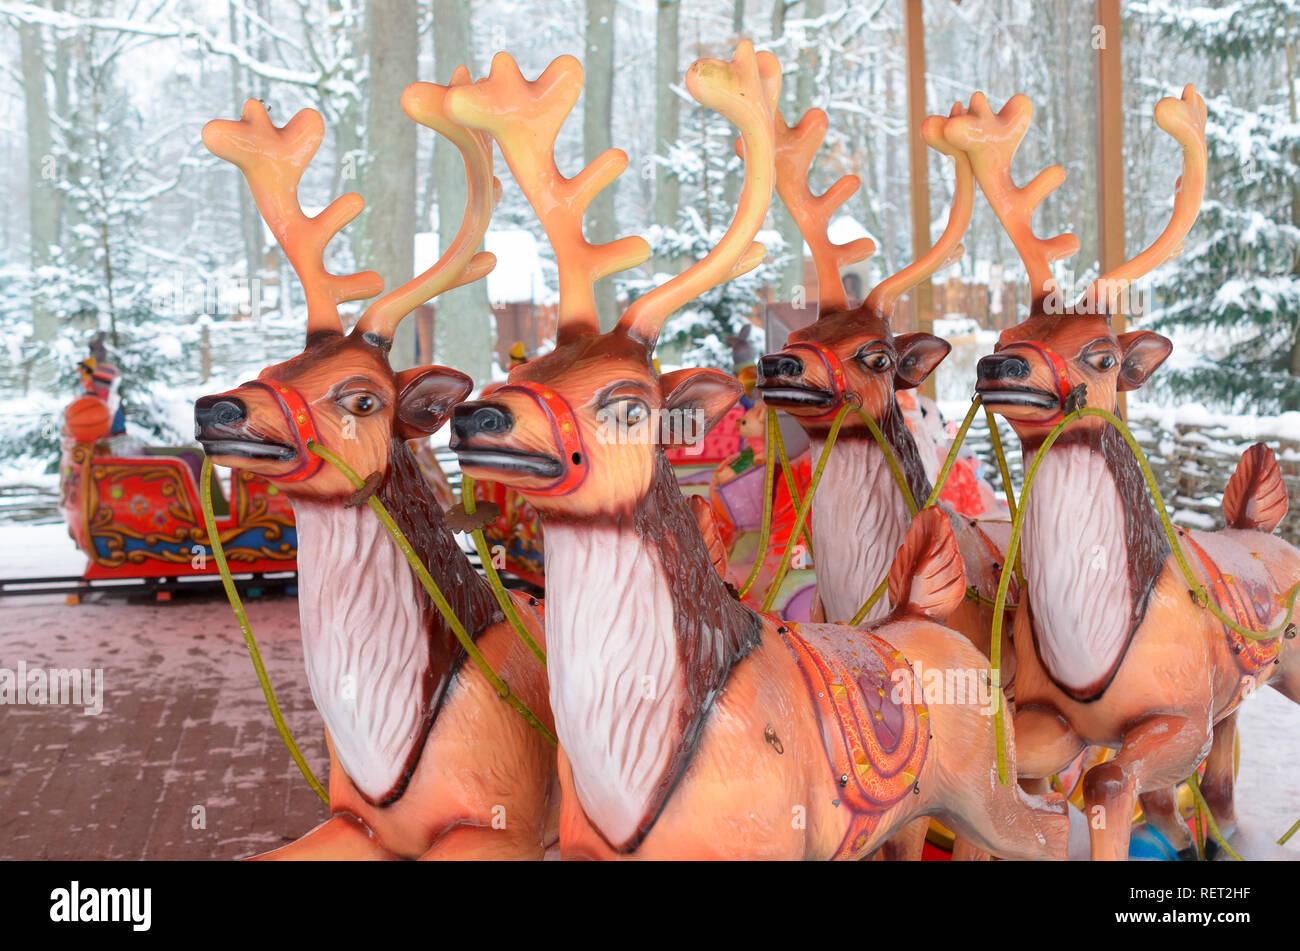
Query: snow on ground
point(30, 551)
point(1237, 426)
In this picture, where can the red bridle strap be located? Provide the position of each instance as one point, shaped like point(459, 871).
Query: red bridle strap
point(835, 371)
point(298, 413)
point(564, 425)
point(1062, 381)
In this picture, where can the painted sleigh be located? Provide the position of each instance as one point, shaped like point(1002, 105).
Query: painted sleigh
point(138, 514)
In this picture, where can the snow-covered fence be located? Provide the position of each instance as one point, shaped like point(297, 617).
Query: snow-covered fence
point(1193, 454)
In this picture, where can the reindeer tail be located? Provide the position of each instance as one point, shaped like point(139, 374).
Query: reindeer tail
point(1256, 496)
point(928, 578)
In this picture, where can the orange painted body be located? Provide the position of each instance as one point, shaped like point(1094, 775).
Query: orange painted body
point(691, 726)
point(484, 786)
point(426, 758)
point(740, 798)
point(851, 356)
point(1110, 648)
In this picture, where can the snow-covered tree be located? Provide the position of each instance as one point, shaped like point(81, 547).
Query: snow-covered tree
point(1237, 284)
point(715, 326)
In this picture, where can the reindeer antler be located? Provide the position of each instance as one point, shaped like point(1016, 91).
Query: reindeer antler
point(1184, 119)
point(745, 92)
point(460, 264)
point(525, 119)
point(947, 249)
point(273, 161)
point(990, 140)
point(795, 149)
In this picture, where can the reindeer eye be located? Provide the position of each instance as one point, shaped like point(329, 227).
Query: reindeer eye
point(876, 360)
point(631, 412)
point(359, 404)
point(1104, 360)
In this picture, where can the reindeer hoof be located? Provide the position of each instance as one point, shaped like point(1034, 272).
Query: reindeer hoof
point(1212, 849)
point(1189, 854)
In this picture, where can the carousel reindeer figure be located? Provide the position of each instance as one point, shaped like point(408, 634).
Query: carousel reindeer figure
point(690, 725)
point(426, 760)
point(1110, 648)
point(850, 355)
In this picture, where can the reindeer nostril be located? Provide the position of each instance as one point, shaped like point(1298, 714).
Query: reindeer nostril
point(780, 364)
point(491, 420)
point(468, 421)
point(1002, 366)
point(218, 411)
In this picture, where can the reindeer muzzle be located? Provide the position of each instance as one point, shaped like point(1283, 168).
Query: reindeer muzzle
point(214, 413)
point(1001, 379)
point(219, 425)
point(777, 369)
point(471, 420)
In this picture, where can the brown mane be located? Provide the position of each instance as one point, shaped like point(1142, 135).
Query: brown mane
point(409, 499)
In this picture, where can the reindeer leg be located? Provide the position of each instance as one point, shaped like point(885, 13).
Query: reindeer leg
point(963, 851)
point(1219, 782)
point(340, 837)
point(1286, 680)
point(1158, 752)
point(480, 842)
point(995, 818)
point(906, 844)
point(987, 816)
point(1045, 744)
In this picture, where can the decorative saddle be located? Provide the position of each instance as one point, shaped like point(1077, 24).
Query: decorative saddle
point(874, 724)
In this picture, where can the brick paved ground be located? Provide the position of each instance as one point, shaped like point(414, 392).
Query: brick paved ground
point(183, 725)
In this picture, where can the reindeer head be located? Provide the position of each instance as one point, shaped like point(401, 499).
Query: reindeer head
point(1063, 358)
point(850, 354)
point(578, 431)
point(341, 390)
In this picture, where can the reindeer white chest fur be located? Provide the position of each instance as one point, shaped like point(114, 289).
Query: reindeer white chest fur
point(617, 684)
point(364, 641)
point(858, 521)
point(1076, 566)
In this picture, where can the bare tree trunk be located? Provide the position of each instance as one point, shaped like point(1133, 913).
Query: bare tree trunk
point(888, 230)
point(105, 236)
point(735, 180)
point(1293, 363)
point(62, 107)
point(778, 18)
point(804, 85)
point(667, 113)
point(42, 210)
point(597, 136)
point(464, 329)
point(250, 223)
point(391, 41)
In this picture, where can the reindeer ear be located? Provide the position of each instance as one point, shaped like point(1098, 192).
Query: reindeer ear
point(918, 355)
point(694, 401)
point(425, 397)
point(1142, 351)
